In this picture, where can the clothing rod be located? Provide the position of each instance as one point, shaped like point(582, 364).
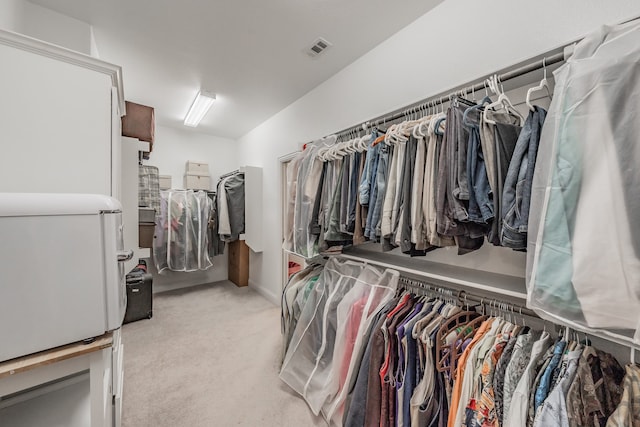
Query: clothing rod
point(445, 96)
point(463, 295)
point(508, 307)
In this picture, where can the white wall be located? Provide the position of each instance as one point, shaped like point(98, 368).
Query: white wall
point(53, 27)
point(11, 12)
point(24, 17)
point(171, 150)
point(173, 147)
point(440, 50)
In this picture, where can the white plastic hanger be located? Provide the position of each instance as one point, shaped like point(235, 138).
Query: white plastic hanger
point(502, 101)
point(349, 146)
point(544, 84)
point(390, 138)
point(363, 143)
point(321, 153)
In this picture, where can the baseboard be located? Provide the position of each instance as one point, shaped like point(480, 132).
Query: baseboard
point(274, 299)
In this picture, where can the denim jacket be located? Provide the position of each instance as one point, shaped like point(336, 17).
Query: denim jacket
point(516, 194)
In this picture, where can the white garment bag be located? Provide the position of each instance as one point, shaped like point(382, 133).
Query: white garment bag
point(583, 265)
point(331, 328)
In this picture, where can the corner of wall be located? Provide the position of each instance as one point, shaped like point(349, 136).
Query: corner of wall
point(94, 45)
point(269, 296)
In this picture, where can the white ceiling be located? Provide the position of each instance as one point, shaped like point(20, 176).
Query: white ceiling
point(251, 53)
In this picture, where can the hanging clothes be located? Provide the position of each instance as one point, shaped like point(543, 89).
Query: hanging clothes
point(361, 356)
point(422, 185)
point(628, 412)
point(293, 167)
point(553, 410)
point(383, 170)
point(435, 134)
point(481, 208)
point(309, 174)
point(516, 194)
point(503, 137)
point(294, 298)
point(216, 244)
point(231, 205)
point(596, 390)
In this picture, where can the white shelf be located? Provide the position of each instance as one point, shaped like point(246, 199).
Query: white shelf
point(443, 274)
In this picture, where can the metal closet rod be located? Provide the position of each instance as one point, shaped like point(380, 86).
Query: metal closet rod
point(507, 307)
point(446, 96)
point(462, 296)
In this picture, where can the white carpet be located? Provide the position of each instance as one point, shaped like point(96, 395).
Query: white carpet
point(210, 356)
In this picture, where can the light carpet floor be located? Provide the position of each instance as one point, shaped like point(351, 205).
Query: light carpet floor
point(210, 356)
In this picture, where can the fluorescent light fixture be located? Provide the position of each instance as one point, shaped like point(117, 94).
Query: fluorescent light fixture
point(199, 108)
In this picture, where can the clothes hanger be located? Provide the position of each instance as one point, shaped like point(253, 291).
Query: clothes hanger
point(421, 129)
point(465, 116)
point(508, 105)
point(442, 118)
point(381, 138)
point(363, 143)
point(502, 101)
point(524, 323)
point(332, 154)
point(544, 84)
point(322, 152)
point(445, 351)
point(355, 141)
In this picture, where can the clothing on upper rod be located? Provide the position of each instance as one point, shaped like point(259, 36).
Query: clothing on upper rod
point(364, 349)
point(231, 206)
point(435, 181)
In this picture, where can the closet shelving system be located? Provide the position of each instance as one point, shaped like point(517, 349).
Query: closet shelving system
point(503, 291)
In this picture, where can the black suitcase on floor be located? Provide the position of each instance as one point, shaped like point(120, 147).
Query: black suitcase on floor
point(139, 297)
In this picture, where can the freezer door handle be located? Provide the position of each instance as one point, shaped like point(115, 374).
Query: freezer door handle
point(125, 255)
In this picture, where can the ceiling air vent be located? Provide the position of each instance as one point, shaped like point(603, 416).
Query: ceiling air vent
point(318, 47)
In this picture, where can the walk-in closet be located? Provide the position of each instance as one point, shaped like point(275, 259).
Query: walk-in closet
point(319, 214)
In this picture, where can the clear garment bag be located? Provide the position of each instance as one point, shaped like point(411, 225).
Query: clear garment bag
point(583, 265)
point(330, 331)
point(181, 238)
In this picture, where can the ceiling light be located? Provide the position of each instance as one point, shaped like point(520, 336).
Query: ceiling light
point(199, 108)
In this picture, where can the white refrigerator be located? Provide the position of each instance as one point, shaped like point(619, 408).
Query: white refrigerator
point(61, 270)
